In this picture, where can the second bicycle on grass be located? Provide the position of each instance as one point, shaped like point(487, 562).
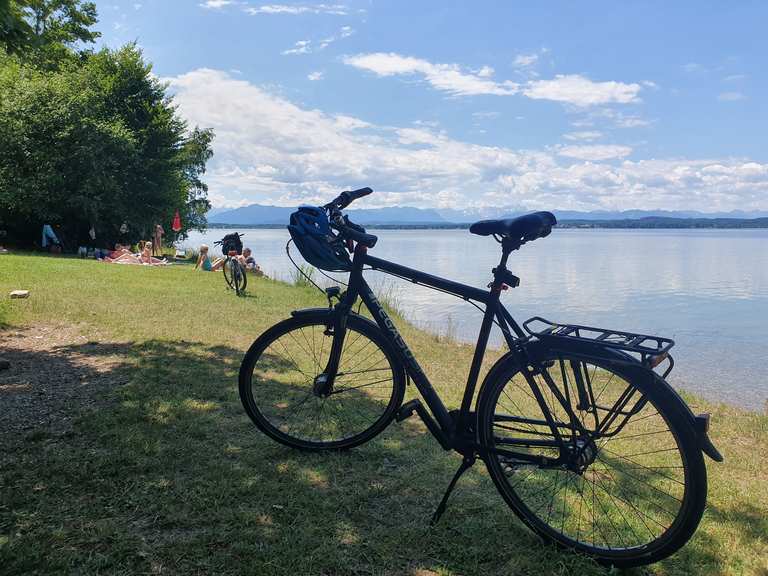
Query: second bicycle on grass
point(234, 271)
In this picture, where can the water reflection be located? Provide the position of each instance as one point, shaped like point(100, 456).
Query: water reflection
point(707, 289)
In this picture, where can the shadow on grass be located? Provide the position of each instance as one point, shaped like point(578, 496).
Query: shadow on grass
point(162, 472)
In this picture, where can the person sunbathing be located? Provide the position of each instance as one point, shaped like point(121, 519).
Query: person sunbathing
point(204, 261)
point(117, 252)
point(122, 255)
point(146, 256)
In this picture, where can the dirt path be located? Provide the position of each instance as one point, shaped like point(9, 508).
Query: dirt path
point(52, 378)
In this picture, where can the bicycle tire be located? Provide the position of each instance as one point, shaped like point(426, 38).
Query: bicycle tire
point(611, 472)
point(241, 279)
point(370, 407)
point(228, 275)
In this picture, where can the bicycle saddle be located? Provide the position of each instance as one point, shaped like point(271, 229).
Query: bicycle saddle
point(525, 228)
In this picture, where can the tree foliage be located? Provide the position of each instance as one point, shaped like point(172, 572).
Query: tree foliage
point(97, 143)
point(46, 32)
point(15, 31)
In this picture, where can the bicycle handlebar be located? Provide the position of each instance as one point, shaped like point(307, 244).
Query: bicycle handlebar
point(347, 197)
point(357, 233)
point(349, 230)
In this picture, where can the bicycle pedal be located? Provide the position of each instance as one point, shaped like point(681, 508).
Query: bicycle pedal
point(407, 410)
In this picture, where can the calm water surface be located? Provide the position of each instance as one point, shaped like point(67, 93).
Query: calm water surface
point(706, 289)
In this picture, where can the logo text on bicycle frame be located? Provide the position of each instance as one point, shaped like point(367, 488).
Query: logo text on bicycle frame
point(395, 334)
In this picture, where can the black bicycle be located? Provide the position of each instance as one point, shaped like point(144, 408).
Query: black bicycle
point(234, 271)
point(585, 441)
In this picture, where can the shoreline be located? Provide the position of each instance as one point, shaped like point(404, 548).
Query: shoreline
point(643, 224)
point(679, 380)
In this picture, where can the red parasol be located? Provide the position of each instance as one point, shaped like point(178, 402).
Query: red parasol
point(176, 226)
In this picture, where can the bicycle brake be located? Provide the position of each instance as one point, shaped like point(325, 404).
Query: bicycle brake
point(333, 292)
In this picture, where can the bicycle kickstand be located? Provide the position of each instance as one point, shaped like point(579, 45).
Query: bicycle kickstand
point(466, 464)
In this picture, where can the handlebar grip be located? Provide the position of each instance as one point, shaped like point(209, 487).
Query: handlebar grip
point(357, 194)
point(347, 197)
point(363, 238)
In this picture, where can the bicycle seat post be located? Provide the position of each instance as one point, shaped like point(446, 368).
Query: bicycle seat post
point(502, 276)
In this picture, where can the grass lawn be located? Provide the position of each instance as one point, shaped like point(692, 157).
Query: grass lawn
point(125, 449)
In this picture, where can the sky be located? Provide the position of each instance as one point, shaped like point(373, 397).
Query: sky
point(526, 105)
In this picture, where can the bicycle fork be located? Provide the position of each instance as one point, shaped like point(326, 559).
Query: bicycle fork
point(323, 383)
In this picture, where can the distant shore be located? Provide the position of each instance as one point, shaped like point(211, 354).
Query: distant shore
point(651, 222)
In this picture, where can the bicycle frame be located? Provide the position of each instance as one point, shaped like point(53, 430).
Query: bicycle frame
point(453, 429)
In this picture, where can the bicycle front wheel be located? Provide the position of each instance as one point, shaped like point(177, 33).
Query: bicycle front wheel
point(624, 483)
point(277, 384)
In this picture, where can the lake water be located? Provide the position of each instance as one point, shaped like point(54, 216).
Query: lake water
point(706, 289)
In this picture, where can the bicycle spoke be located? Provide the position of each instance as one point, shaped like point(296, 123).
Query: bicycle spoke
point(621, 497)
point(283, 385)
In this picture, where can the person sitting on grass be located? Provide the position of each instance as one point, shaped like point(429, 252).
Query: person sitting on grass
point(204, 261)
point(249, 263)
point(147, 258)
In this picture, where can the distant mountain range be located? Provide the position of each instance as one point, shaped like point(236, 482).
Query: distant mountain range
point(260, 215)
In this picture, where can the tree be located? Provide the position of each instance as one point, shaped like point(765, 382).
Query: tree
point(96, 144)
point(46, 32)
point(15, 32)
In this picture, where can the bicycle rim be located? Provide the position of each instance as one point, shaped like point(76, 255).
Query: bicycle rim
point(277, 384)
point(631, 493)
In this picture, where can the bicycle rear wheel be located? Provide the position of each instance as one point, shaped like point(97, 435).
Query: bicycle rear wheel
point(240, 280)
point(277, 383)
point(229, 274)
point(627, 491)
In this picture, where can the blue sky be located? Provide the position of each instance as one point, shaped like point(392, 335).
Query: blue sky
point(598, 105)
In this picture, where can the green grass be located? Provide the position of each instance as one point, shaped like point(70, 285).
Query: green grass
point(166, 475)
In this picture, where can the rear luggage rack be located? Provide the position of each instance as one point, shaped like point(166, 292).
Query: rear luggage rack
point(653, 350)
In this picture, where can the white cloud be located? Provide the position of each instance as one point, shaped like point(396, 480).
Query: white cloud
point(270, 150)
point(485, 72)
point(609, 116)
point(586, 135)
point(735, 78)
point(730, 96)
point(631, 122)
point(525, 60)
point(572, 89)
point(581, 91)
point(314, 76)
point(137, 6)
point(446, 77)
point(295, 10)
point(300, 47)
point(216, 4)
point(345, 32)
point(306, 46)
point(595, 152)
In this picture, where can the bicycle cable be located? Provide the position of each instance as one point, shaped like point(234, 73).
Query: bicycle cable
point(301, 271)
